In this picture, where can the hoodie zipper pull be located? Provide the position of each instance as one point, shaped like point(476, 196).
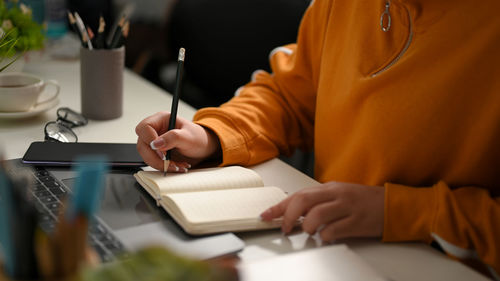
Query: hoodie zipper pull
point(386, 13)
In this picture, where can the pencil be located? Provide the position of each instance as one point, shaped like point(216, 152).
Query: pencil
point(175, 103)
point(86, 41)
point(124, 35)
point(72, 23)
point(83, 30)
point(117, 34)
point(125, 31)
point(99, 39)
point(90, 33)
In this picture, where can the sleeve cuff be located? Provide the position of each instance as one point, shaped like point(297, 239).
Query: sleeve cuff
point(233, 144)
point(409, 213)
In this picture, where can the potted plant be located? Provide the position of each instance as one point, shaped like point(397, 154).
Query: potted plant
point(19, 32)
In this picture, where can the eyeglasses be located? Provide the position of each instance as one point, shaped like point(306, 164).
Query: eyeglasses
point(60, 130)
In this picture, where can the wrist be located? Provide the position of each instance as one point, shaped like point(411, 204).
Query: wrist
point(214, 149)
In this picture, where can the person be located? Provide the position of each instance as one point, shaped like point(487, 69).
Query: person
point(400, 100)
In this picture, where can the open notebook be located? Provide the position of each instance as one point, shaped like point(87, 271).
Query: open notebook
point(212, 200)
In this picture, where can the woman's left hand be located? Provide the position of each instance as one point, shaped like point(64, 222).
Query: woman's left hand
point(334, 209)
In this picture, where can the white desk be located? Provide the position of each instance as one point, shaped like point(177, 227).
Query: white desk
point(398, 261)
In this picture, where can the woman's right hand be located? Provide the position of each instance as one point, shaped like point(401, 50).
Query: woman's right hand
point(191, 143)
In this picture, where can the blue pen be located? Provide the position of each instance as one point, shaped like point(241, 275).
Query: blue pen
point(88, 187)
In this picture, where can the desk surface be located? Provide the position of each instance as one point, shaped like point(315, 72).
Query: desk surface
point(396, 261)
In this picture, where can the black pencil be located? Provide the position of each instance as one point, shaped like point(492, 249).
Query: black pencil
point(117, 34)
point(99, 39)
point(175, 103)
point(123, 38)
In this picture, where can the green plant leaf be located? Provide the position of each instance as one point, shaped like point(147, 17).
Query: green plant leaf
point(8, 42)
point(30, 34)
point(11, 62)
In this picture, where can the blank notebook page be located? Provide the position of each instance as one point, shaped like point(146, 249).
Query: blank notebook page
point(226, 205)
point(203, 179)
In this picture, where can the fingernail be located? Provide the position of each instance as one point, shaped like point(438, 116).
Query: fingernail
point(188, 166)
point(185, 170)
point(157, 143)
point(161, 155)
point(176, 168)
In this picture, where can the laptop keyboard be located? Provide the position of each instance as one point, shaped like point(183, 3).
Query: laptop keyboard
point(49, 194)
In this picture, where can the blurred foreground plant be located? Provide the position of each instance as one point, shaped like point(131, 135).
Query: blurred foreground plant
point(155, 263)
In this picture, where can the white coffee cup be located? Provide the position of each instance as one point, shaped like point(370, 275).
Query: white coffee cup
point(21, 91)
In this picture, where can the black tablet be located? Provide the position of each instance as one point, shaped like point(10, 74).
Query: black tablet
point(64, 154)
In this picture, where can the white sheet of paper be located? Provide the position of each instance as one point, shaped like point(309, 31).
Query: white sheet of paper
point(327, 263)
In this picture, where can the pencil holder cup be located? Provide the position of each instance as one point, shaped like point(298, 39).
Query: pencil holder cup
point(101, 78)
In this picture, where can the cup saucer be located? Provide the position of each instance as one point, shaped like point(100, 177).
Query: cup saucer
point(32, 112)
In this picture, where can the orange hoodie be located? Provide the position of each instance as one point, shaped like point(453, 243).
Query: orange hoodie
point(415, 108)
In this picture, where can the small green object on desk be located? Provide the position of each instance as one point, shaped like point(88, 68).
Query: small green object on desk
point(156, 263)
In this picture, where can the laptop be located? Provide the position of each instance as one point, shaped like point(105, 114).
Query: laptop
point(128, 218)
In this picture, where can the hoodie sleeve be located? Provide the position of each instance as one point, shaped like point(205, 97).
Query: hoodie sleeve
point(464, 221)
point(274, 113)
